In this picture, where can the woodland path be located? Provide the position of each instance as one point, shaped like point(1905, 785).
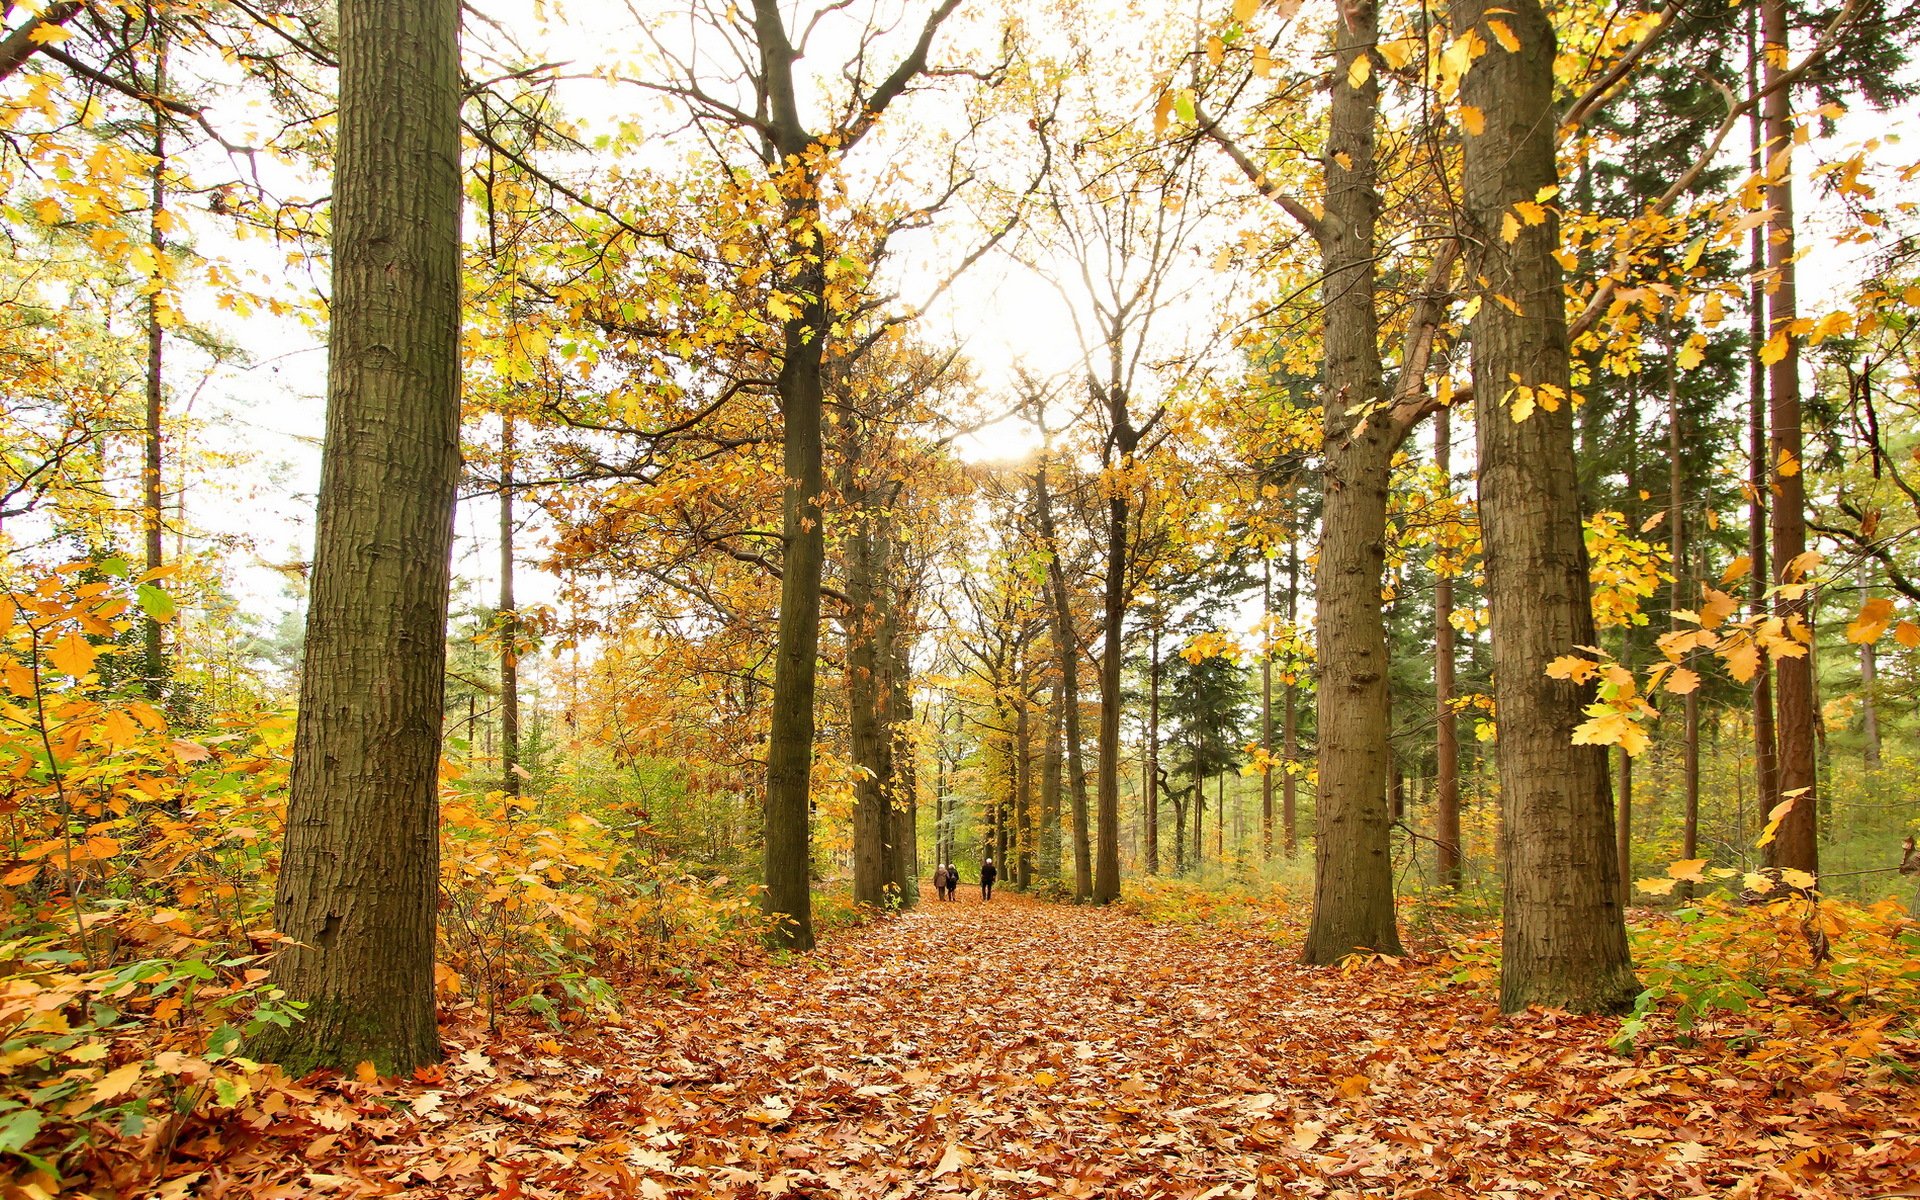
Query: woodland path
point(1025, 1049)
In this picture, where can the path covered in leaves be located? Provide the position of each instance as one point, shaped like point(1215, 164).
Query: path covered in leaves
point(1021, 1049)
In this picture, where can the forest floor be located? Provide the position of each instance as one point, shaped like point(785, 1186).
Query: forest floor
point(1025, 1049)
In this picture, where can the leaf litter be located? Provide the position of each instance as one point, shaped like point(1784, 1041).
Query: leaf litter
point(1024, 1049)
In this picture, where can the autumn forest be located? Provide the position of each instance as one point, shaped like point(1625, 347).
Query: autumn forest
point(897, 598)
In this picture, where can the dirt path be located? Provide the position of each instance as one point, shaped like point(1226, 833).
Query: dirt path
point(1020, 1049)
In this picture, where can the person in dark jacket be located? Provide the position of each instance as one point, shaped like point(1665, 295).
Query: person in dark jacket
point(953, 882)
point(988, 873)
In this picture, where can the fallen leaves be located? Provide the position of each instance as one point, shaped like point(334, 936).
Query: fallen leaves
point(1026, 1050)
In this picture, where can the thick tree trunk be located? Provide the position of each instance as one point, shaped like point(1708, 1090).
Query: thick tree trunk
point(359, 880)
point(509, 624)
point(1766, 755)
point(867, 688)
point(1677, 550)
point(1153, 753)
point(1106, 866)
point(1797, 842)
point(154, 665)
point(905, 775)
point(1353, 866)
point(1564, 939)
point(1066, 648)
point(1446, 738)
point(1022, 864)
point(1266, 708)
point(1290, 718)
point(1050, 784)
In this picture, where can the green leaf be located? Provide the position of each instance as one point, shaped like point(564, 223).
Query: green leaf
point(18, 1128)
point(115, 567)
point(155, 602)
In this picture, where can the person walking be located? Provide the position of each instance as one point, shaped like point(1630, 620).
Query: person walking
point(988, 873)
point(953, 882)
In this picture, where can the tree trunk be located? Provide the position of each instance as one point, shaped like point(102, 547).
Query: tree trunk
point(867, 734)
point(1153, 753)
point(1677, 551)
point(1766, 760)
point(1266, 707)
point(359, 880)
point(509, 624)
point(1050, 784)
point(1353, 867)
point(1066, 648)
point(154, 665)
point(1446, 738)
point(905, 777)
point(1022, 864)
point(1106, 866)
point(1796, 844)
point(1290, 718)
point(1564, 939)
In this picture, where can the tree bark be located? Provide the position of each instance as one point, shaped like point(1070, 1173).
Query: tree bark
point(154, 665)
point(1796, 844)
point(1766, 756)
point(1677, 551)
point(1446, 738)
point(1106, 867)
point(1266, 708)
point(1050, 784)
point(509, 623)
point(1022, 864)
point(1290, 718)
point(1564, 939)
point(1353, 867)
point(1066, 648)
point(359, 880)
point(1153, 753)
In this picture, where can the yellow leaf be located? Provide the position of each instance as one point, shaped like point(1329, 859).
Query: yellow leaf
point(1262, 62)
point(366, 1072)
point(1656, 887)
point(1243, 10)
point(1737, 569)
point(1216, 50)
point(116, 1083)
point(1509, 228)
point(1695, 249)
point(73, 655)
point(1473, 120)
point(1358, 73)
point(46, 33)
point(1874, 617)
point(1907, 634)
point(1504, 35)
point(1718, 607)
point(1688, 869)
point(1775, 349)
point(1788, 465)
point(1742, 659)
point(1691, 355)
point(1683, 681)
point(1571, 667)
point(1163, 112)
point(1794, 878)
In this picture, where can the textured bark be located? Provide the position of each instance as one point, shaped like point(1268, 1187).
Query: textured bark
point(1796, 844)
point(1564, 940)
point(509, 624)
point(359, 877)
point(1353, 867)
point(1106, 866)
point(1446, 738)
point(1266, 710)
point(1766, 759)
point(1022, 864)
point(904, 862)
point(1050, 783)
point(1290, 720)
point(867, 689)
point(1153, 754)
point(1869, 707)
point(154, 660)
point(1065, 647)
point(1677, 551)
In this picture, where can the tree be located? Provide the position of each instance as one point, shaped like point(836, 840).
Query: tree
point(359, 878)
point(1564, 938)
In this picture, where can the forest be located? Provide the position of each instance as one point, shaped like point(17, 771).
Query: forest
point(1377, 545)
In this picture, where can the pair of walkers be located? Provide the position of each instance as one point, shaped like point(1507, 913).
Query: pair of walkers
point(946, 880)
